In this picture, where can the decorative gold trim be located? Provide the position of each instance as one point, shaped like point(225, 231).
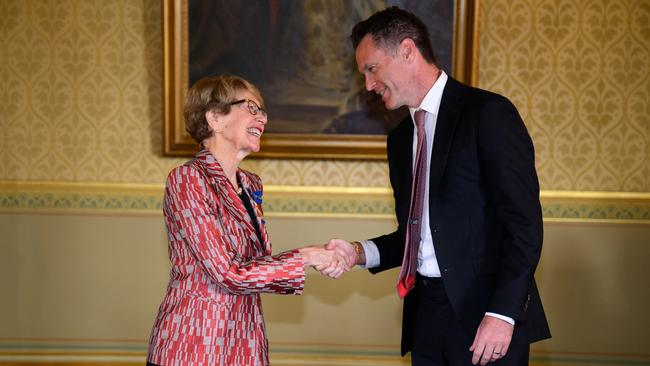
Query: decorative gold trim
point(300, 201)
point(465, 41)
point(595, 195)
point(176, 141)
point(80, 351)
point(80, 198)
point(82, 212)
point(330, 360)
point(328, 190)
point(44, 186)
point(590, 221)
point(302, 357)
point(330, 215)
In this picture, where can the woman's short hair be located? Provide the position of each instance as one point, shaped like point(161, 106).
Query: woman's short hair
point(212, 93)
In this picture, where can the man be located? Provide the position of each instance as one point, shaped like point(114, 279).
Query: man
point(467, 205)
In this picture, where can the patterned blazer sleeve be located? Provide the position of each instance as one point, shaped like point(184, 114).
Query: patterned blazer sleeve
point(193, 224)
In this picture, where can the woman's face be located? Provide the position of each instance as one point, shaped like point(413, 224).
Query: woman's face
point(241, 130)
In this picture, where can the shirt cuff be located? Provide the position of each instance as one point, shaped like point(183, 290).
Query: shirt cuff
point(502, 317)
point(371, 252)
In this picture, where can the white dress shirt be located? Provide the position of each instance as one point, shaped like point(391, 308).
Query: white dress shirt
point(427, 262)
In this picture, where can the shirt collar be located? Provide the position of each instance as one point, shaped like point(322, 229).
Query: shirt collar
point(431, 101)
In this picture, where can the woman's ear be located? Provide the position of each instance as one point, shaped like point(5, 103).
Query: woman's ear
point(212, 117)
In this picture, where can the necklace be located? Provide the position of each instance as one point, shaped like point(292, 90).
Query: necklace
point(239, 190)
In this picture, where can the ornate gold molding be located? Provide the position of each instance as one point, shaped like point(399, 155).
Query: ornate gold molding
point(74, 198)
point(465, 42)
point(90, 351)
point(301, 201)
point(596, 207)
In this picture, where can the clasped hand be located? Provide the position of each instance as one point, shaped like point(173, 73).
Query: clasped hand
point(332, 259)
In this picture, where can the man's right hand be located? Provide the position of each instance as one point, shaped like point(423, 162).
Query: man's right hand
point(347, 250)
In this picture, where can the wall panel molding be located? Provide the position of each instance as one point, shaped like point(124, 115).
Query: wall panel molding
point(88, 353)
point(303, 201)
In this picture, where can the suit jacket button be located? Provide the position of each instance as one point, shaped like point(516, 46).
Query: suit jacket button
point(526, 304)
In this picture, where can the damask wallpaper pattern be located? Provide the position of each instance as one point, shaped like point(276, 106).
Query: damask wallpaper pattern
point(579, 72)
point(81, 93)
point(81, 99)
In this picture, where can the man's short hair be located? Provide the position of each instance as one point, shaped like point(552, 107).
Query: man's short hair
point(389, 27)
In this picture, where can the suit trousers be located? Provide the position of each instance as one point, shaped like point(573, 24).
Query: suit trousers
point(439, 338)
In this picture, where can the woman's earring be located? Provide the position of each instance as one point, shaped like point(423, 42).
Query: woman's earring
point(217, 128)
point(211, 119)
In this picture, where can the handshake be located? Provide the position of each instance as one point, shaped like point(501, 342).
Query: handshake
point(334, 258)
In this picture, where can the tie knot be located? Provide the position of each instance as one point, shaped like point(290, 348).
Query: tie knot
point(419, 119)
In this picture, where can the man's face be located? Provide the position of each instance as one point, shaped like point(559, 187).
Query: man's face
point(385, 74)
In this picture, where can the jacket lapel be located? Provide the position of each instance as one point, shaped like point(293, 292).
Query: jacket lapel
point(404, 160)
point(448, 115)
point(232, 205)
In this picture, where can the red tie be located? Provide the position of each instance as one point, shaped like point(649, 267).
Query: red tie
point(414, 224)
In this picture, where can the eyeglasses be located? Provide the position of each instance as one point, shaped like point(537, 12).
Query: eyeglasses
point(253, 108)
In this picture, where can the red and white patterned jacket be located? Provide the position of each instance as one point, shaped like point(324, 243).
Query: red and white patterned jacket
point(212, 312)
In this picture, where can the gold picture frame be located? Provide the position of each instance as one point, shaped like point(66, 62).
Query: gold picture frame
point(177, 142)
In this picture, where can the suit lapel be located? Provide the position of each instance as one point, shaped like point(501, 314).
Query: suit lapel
point(448, 115)
point(226, 194)
point(400, 146)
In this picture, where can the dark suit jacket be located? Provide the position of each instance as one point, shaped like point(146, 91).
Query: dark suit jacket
point(484, 211)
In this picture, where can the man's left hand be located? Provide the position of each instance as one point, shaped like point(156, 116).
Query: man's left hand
point(492, 340)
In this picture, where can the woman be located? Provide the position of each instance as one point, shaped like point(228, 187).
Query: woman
point(218, 245)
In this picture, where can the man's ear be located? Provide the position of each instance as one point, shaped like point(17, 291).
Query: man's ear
point(407, 49)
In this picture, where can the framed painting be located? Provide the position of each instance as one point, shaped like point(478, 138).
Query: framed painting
point(298, 54)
